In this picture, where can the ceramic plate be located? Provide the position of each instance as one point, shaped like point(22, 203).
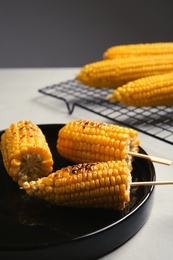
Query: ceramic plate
point(33, 228)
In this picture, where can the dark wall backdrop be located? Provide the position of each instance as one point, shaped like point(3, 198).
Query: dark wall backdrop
point(71, 33)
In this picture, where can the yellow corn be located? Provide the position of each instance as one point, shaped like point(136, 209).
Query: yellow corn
point(149, 91)
point(113, 73)
point(141, 49)
point(99, 185)
point(25, 152)
point(88, 141)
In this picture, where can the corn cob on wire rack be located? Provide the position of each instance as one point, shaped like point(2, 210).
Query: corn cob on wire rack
point(154, 121)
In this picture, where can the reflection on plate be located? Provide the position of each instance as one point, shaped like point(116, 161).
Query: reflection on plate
point(31, 227)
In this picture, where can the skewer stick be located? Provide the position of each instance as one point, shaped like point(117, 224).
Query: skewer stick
point(151, 158)
point(149, 183)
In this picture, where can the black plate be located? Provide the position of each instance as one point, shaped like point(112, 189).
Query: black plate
point(32, 228)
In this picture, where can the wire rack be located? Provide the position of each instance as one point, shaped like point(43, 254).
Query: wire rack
point(154, 121)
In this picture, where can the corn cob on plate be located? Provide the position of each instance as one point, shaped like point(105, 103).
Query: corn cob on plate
point(25, 152)
point(69, 232)
point(89, 141)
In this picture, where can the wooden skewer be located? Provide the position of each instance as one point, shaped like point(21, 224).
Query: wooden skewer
point(149, 183)
point(151, 158)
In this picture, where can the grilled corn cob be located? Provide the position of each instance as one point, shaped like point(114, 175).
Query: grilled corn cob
point(99, 185)
point(25, 152)
point(88, 141)
point(113, 73)
point(149, 91)
point(141, 49)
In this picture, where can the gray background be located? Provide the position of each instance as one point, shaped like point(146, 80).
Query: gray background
point(71, 33)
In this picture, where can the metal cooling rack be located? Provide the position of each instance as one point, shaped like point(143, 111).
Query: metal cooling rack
point(154, 121)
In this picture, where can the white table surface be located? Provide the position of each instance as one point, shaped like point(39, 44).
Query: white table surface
point(20, 99)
